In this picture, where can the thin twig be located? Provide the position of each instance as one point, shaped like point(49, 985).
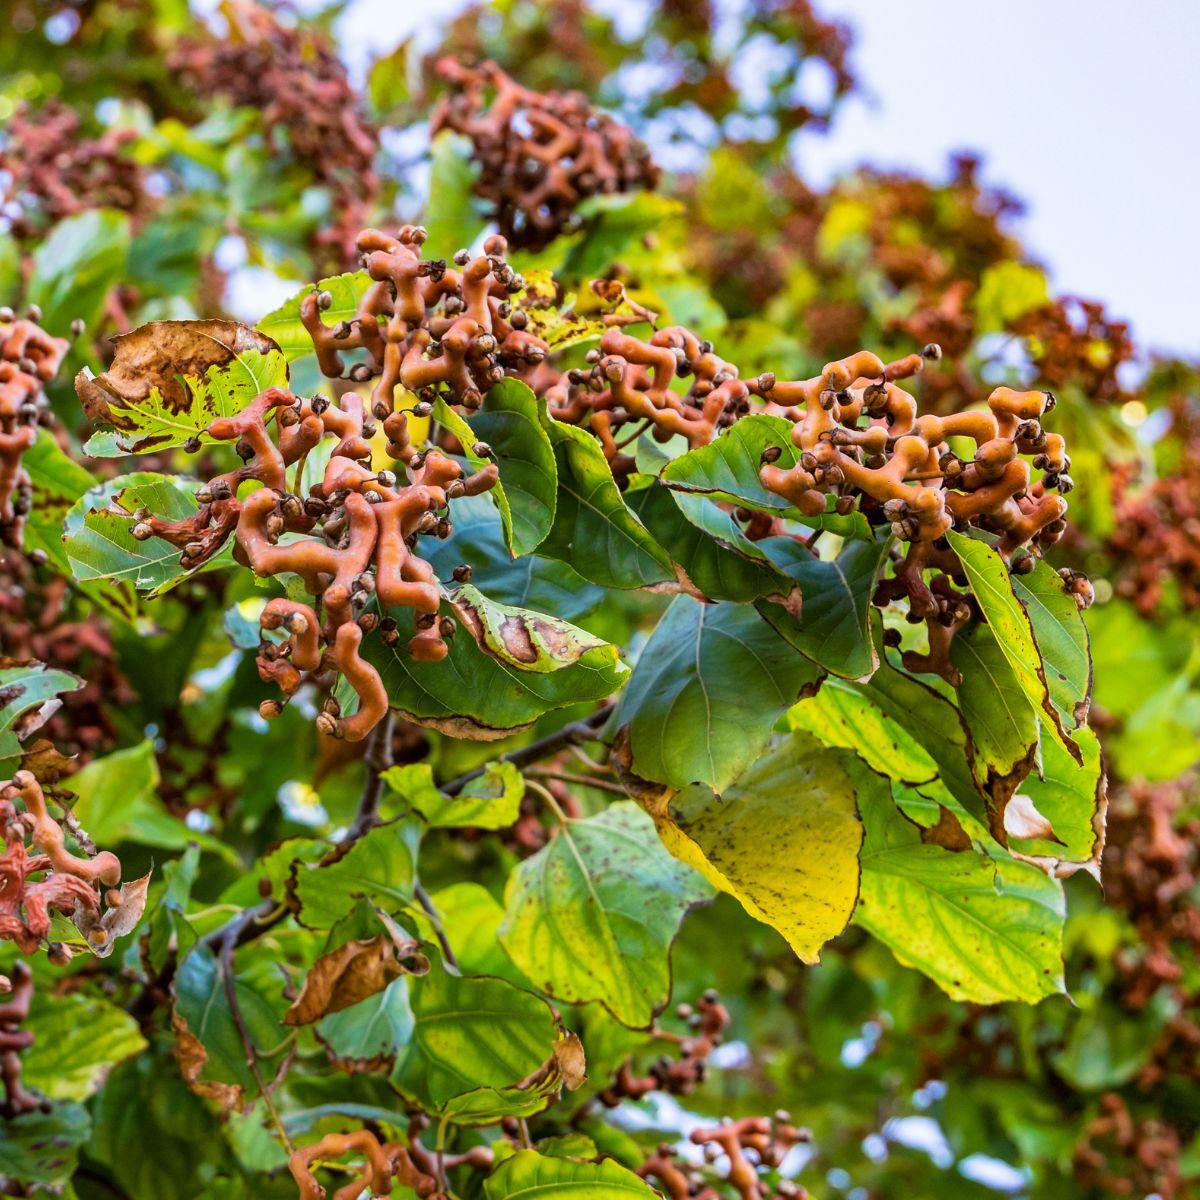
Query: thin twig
point(424, 899)
point(551, 802)
point(579, 731)
point(378, 759)
point(601, 785)
point(225, 960)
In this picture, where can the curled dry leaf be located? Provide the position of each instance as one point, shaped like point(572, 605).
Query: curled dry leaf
point(169, 379)
point(192, 1056)
point(353, 972)
point(566, 1067)
point(570, 1060)
point(1022, 820)
point(116, 921)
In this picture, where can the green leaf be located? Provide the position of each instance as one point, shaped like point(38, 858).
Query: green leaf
point(366, 1035)
point(510, 422)
point(77, 1038)
point(527, 582)
point(1071, 797)
point(523, 640)
point(993, 589)
point(841, 716)
point(118, 802)
point(170, 379)
point(387, 83)
point(474, 694)
point(380, 868)
point(146, 1123)
point(492, 801)
point(727, 469)
point(43, 1148)
point(984, 928)
point(284, 327)
point(99, 543)
point(1108, 1045)
point(532, 1176)
point(1002, 722)
point(58, 482)
point(1062, 639)
point(705, 541)
point(455, 220)
point(934, 724)
point(470, 1034)
point(593, 530)
point(612, 224)
point(24, 690)
point(80, 260)
point(593, 914)
point(834, 628)
point(782, 839)
point(201, 1004)
point(706, 692)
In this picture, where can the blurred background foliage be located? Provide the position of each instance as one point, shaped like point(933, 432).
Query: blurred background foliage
point(155, 164)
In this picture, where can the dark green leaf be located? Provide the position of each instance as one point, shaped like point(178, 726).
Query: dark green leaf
point(706, 692)
point(593, 529)
point(834, 628)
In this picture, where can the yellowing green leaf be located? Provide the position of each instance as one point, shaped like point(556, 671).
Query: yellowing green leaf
point(783, 840)
point(592, 915)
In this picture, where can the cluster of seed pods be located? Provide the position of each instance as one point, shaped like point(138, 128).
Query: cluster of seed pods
point(29, 358)
point(40, 876)
point(53, 171)
point(310, 110)
point(680, 1075)
point(383, 1164)
point(352, 538)
point(539, 154)
point(737, 1150)
point(428, 331)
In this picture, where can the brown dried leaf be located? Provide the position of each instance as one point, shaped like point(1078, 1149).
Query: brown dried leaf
point(353, 972)
point(947, 833)
point(570, 1060)
point(1022, 820)
point(169, 379)
point(192, 1056)
point(116, 922)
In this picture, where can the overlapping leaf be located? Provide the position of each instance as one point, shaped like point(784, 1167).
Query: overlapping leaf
point(593, 529)
point(169, 379)
point(593, 914)
point(985, 928)
point(480, 695)
point(706, 692)
point(99, 543)
point(783, 839)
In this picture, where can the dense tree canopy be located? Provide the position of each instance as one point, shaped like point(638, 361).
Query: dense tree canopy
point(544, 654)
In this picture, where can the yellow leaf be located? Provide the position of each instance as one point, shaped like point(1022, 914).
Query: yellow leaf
point(783, 840)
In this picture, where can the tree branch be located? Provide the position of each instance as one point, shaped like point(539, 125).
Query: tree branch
point(568, 735)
